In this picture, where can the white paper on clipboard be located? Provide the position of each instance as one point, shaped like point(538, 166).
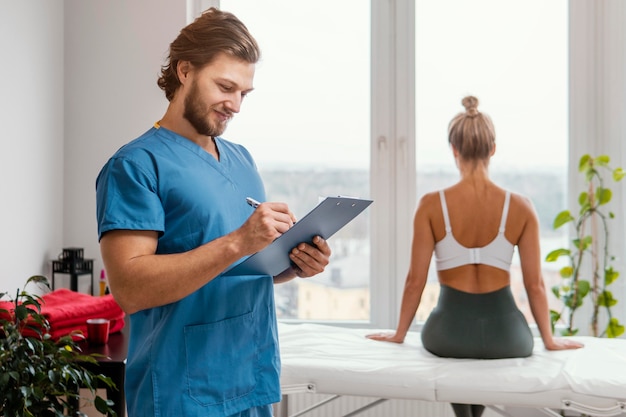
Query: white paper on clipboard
point(330, 215)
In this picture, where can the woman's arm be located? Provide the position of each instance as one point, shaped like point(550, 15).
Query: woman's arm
point(421, 254)
point(530, 257)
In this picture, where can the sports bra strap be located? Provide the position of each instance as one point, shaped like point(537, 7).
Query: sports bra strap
point(444, 207)
point(446, 216)
point(505, 212)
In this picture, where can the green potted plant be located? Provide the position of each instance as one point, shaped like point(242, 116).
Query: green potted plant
point(39, 376)
point(588, 273)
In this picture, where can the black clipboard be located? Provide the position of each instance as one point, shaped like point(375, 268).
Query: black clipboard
point(324, 220)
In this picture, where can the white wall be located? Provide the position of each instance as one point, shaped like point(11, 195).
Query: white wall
point(114, 50)
point(31, 120)
point(79, 81)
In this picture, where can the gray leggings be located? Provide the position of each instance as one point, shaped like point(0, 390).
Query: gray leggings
point(479, 326)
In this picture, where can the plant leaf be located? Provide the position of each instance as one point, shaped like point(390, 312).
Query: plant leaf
point(603, 195)
point(566, 272)
point(610, 275)
point(568, 300)
point(605, 299)
point(21, 312)
point(583, 288)
point(582, 244)
point(103, 405)
point(562, 218)
point(555, 254)
point(555, 316)
point(614, 328)
point(584, 163)
point(556, 291)
point(618, 174)
point(602, 160)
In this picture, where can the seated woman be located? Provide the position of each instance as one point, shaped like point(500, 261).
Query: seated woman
point(473, 227)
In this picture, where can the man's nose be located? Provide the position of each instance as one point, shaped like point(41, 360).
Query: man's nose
point(234, 103)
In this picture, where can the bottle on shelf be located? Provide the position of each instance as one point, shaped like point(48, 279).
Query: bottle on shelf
point(103, 283)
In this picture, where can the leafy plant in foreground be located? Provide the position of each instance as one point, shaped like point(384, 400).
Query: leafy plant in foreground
point(39, 376)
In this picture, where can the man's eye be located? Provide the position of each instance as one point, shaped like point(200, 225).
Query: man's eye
point(226, 87)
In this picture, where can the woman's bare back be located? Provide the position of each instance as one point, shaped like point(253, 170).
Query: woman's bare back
point(475, 209)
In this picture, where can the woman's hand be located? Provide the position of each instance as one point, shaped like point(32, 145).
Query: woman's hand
point(386, 337)
point(563, 344)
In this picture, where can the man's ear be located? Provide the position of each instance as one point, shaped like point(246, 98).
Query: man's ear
point(183, 68)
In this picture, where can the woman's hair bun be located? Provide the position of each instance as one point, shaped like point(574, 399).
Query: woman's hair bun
point(471, 105)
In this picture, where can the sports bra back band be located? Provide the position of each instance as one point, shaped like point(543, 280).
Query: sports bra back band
point(449, 253)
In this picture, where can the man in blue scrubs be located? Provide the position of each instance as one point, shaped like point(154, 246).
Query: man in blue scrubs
point(172, 216)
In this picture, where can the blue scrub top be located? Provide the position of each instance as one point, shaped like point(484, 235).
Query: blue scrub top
point(215, 352)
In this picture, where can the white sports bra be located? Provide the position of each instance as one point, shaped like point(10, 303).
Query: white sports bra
point(450, 254)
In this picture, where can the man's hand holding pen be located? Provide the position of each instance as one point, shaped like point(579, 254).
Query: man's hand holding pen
point(269, 221)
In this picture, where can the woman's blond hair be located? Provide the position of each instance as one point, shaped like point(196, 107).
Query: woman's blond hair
point(471, 132)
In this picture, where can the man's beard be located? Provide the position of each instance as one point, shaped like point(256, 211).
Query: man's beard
point(197, 115)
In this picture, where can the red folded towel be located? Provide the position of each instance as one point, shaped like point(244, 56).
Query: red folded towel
point(64, 307)
point(68, 310)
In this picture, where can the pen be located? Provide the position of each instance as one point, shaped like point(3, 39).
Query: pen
point(251, 201)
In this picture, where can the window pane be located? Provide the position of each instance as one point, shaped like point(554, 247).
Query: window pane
point(307, 126)
point(513, 57)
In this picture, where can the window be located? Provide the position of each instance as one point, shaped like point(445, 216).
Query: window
point(514, 59)
point(354, 98)
point(307, 126)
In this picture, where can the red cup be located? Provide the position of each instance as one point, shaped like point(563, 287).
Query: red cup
point(98, 331)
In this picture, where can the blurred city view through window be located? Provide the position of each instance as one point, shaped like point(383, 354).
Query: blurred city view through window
point(307, 123)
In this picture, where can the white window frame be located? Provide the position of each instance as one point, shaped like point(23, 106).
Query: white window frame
point(392, 166)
